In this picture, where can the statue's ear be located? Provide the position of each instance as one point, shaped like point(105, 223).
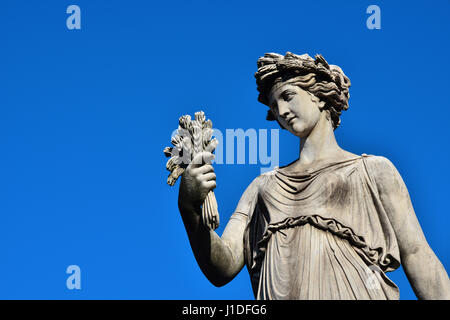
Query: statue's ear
point(322, 105)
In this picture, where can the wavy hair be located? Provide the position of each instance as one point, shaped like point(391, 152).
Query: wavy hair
point(316, 76)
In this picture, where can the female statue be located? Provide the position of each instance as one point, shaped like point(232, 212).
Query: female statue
point(327, 226)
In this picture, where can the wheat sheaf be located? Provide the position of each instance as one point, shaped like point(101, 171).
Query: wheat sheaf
point(191, 138)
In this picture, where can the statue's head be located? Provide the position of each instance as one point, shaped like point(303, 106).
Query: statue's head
point(299, 90)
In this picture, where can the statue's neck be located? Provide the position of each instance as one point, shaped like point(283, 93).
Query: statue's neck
point(320, 144)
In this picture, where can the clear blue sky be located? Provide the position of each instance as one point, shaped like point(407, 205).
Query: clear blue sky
point(86, 113)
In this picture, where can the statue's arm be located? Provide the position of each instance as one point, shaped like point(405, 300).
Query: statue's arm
point(219, 258)
point(425, 272)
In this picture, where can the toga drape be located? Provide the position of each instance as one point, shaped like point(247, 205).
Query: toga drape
point(320, 234)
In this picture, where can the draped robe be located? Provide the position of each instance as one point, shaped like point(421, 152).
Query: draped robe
point(320, 234)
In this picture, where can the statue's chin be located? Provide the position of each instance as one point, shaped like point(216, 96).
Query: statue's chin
point(299, 129)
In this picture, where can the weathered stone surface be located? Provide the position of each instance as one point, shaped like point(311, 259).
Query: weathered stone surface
point(331, 224)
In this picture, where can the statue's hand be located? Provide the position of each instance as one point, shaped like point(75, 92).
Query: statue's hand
point(197, 181)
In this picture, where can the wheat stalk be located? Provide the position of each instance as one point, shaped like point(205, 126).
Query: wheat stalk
point(193, 137)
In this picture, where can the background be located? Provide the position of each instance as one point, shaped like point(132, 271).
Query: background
point(86, 113)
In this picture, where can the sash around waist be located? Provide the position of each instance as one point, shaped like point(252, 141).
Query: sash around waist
point(374, 255)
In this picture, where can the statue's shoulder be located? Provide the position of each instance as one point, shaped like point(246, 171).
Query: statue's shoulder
point(261, 181)
point(249, 197)
point(381, 169)
point(266, 176)
point(378, 162)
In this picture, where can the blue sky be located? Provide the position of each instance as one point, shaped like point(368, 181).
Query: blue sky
point(86, 113)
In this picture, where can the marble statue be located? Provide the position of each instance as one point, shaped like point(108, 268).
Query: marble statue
point(329, 225)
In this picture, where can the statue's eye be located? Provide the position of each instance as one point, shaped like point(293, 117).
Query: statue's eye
point(288, 95)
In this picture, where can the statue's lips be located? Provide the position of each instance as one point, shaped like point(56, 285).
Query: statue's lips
point(291, 120)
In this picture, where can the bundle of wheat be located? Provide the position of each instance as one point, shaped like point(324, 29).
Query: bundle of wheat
point(193, 137)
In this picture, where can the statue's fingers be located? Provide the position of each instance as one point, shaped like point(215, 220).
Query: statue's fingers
point(207, 168)
point(209, 176)
point(210, 185)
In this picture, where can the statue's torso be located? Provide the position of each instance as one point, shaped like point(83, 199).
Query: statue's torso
point(322, 234)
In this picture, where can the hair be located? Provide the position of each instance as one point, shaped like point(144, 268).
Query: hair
point(316, 76)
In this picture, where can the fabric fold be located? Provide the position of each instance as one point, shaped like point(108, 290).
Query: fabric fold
point(320, 233)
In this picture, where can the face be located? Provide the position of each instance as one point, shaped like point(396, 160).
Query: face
point(295, 109)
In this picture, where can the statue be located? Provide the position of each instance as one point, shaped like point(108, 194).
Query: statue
point(329, 225)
